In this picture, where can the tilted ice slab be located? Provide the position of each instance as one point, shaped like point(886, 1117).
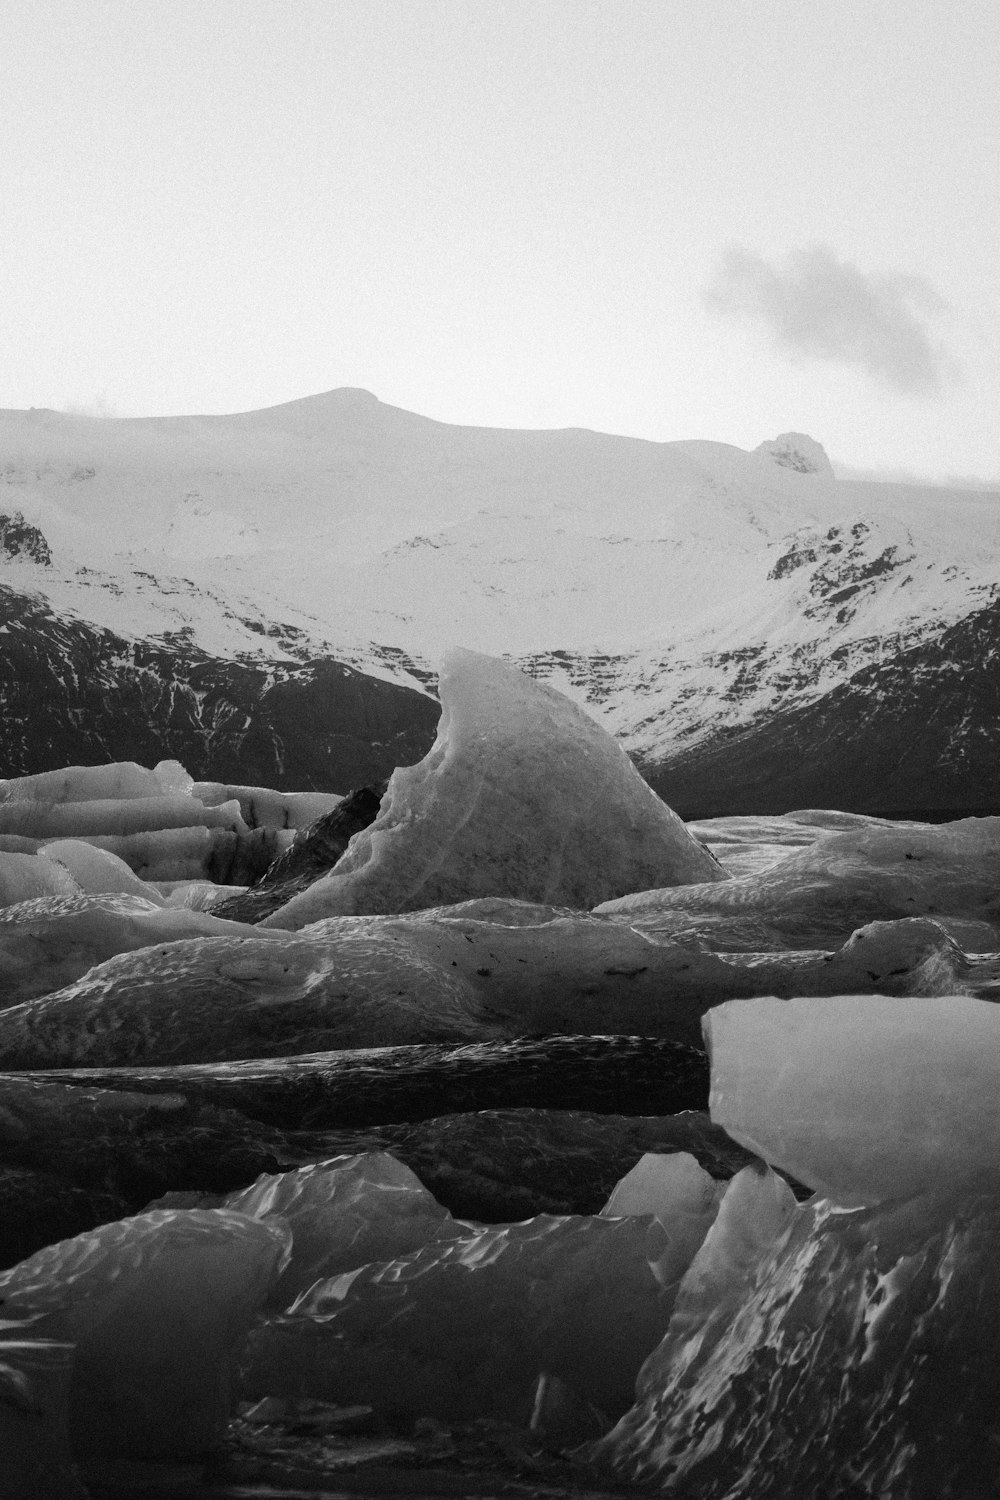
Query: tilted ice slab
point(344, 1213)
point(157, 1307)
point(864, 1098)
point(376, 981)
point(464, 1328)
point(522, 794)
point(815, 1350)
point(681, 1195)
point(950, 871)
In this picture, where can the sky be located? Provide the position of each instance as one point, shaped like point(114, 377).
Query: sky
point(718, 219)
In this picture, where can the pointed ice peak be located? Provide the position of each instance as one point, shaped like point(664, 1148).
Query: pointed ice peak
point(795, 450)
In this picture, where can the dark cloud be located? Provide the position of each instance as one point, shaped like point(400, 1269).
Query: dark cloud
point(818, 307)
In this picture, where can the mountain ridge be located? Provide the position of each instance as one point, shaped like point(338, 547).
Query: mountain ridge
point(689, 594)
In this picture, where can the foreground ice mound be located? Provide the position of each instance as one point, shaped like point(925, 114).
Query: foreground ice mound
point(864, 1098)
point(817, 1351)
point(344, 1213)
point(213, 999)
point(465, 1328)
point(521, 795)
point(157, 1307)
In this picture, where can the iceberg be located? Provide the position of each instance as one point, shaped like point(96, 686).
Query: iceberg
point(523, 795)
point(157, 1307)
point(864, 1098)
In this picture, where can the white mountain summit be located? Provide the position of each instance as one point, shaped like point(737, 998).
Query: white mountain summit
point(691, 594)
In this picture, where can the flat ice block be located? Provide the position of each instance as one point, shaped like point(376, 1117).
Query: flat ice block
point(157, 1307)
point(522, 794)
point(862, 1097)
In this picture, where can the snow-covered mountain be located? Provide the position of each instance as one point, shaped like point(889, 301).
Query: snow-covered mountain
point(759, 634)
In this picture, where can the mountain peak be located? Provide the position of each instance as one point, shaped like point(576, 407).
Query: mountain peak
point(796, 450)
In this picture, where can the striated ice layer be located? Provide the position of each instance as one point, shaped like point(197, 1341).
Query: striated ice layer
point(117, 818)
point(681, 1195)
point(522, 794)
point(36, 1462)
point(864, 873)
point(157, 1307)
point(344, 1213)
point(464, 1328)
point(120, 781)
point(263, 808)
point(819, 1351)
point(864, 1098)
point(234, 991)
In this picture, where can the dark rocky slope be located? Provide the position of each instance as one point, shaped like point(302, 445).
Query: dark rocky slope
point(914, 735)
point(73, 694)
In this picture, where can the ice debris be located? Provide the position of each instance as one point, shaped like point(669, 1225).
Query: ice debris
point(522, 794)
point(681, 1195)
point(157, 1307)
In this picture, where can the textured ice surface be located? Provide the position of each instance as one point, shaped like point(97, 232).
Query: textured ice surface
point(157, 1307)
point(97, 870)
point(521, 795)
point(344, 1213)
point(269, 994)
point(863, 1097)
point(680, 1194)
point(864, 873)
point(35, 1458)
point(464, 1328)
point(23, 877)
point(815, 1351)
point(372, 981)
point(51, 941)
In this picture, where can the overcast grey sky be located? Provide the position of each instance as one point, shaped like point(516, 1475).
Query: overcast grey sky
point(672, 218)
